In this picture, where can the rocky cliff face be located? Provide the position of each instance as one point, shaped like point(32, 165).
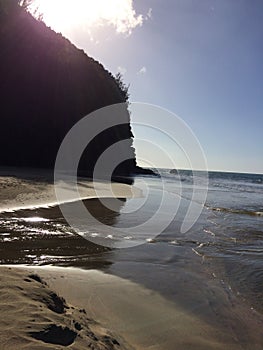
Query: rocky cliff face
point(46, 86)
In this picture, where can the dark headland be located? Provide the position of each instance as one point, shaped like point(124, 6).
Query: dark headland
point(47, 85)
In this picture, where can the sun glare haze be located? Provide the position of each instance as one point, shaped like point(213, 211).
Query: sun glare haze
point(64, 15)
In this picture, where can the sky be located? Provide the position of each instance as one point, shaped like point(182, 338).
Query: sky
point(202, 60)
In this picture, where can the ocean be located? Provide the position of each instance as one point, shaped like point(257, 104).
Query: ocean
point(215, 264)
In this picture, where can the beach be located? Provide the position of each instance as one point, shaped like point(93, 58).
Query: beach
point(154, 296)
point(131, 225)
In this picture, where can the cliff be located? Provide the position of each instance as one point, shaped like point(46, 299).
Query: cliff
point(47, 85)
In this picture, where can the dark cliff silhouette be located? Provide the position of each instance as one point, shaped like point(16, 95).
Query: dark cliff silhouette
point(46, 86)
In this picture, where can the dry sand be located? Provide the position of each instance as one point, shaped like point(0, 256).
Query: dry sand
point(34, 317)
point(30, 188)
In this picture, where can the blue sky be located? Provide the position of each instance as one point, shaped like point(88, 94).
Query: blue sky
point(200, 59)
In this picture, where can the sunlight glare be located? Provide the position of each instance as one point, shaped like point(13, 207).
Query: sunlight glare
point(63, 15)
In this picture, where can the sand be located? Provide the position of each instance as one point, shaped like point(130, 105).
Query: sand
point(141, 316)
point(27, 318)
point(137, 317)
point(35, 317)
point(31, 188)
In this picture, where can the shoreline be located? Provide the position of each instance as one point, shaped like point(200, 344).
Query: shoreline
point(141, 317)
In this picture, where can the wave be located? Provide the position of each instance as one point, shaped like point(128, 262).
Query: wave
point(237, 211)
point(216, 177)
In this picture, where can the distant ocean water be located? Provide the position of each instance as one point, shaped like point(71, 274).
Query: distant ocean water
point(225, 245)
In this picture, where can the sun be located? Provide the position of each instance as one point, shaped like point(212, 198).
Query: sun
point(65, 15)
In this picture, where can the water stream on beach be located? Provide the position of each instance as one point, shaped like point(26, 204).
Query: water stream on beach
point(222, 251)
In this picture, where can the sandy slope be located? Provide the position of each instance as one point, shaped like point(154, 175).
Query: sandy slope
point(34, 317)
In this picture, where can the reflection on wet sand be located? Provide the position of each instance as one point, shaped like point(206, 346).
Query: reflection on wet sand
point(42, 236)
